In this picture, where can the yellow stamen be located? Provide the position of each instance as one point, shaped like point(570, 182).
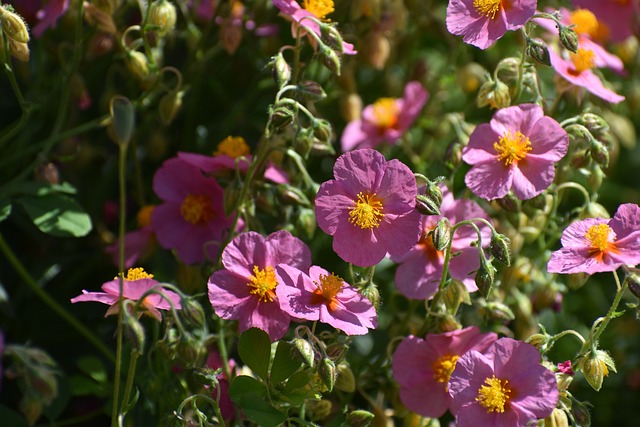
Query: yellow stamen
point(263, 283)
point(585, 22)
point(488, 8)
point(385, 111)
point(494, 395)
point(144, 216)
point(233, 146)
point(137, 274)
point(320, 8)
point(512, 147)
point(327, 290)
point(196, 209)
point(599, 242)
point(443, 367)
point(367, 212)
point(583, 60)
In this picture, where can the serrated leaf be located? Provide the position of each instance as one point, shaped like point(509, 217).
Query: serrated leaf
point(252, 396)
point(57, 215)
point(255, 351)
point(5, 209)
point(285, 363)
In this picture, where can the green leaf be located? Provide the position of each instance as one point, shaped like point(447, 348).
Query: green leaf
point(32, 188)
point(11, 418)
point(57, 215)
point(5, 209)
point(252, 396)
point(298, 388)
point(255, 351)
point(93, 367)
point(284, 363)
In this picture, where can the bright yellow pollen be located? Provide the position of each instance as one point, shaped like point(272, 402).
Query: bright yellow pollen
point(144, 216)
point(196, 209)
point(488, 8)
point(512, 147)
point(443, 367)
point(320, 8)
point(598, 237)
point(233, 146)
point(263, 283)
point(385, 111)
point(137, 274)
point(585, 22)
point(494, 395)
point(327, 290)
point(583, 60)
point(367, 211)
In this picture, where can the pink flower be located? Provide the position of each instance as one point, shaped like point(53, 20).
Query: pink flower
point(324, 297)
point(369, 208)
point(420, 271)
point(134, 286)
point(505, 386)
point(245, 289)
point(317, 9)
point(385, 120)
point(232, 153)
point(577, 71)
point(49, 15)
point(595, 245)
point(614, 16)
point(482, 22)
point(516, 150)
point(191, 220)
point(204, 10)
point(565, 368)
point(422, 367)
point(136, 243)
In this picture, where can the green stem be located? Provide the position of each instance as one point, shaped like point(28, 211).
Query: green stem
point(130, 376)
point(30, 281)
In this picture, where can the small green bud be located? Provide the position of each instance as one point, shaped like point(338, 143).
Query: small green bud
point(317, 410)
point(322, 131)
point(330, 59)
point(595, 178)
point(599, 153)
point(495, 94)
point(538, 51)
point(453, 154)
point(633, 281)
point(331, 36)
point(509, 203)
point(337, 351)
point(280, 117)
point(448, 323)
point(498, 311)
point(539, 341)
point(13, 26)
point(558, 418)
point(31, 407)
point(359, 418)
point(372, 293)
point(281, 70)
point(485, 277)
point(507, 70)
point(304, 350)
point(595, 366)
point(162, 16)
point(499, 248)
point(138, 64)
point(169, 106)
point(581, 414)
point(307, 221)
point(18, 50)
point(192, 312)
point(594, 124)
point(426, 206)
point(292, 196)
point(311, 90)
point(568, 38)
point(327, 372)
point(345, 381)
point(441, 234)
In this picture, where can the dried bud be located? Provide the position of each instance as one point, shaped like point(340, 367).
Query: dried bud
point(169, 106)
point(304, 350)
point(599, 153)
point(345, 381)
point(499, 248)
point(311, 90)
point(330, 59)
point(485, 277)
point(359, 418)
point(18, 50)
point(327, 372)
point(538, 51)
point(441, 234)
point(495, 94)
point(595, 366)
point(138, 64)
point(568, 38)
point(281, 70)
point(162, 16)
point(13, 26)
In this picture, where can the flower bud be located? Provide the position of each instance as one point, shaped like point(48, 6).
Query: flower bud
point(331, 37)
point(317, 410)
point(581, 414)
point(337, 351)
point(595, 366)
point(495, 94)
point(169, 106)
point(133, 331)
point(162, 16)
point(102, 18)
point(558, 418)
point(345, 381)
point(539, 341)
point(280, 117)
point(18, 50)
point(327, 372)
point(192, 312)
point(322, 131)
point(372, 293)
point(351, 107)
point(31, 407)
point(568, 38)
point(595, 179)
point(509, 203)
point(448, 323)
point(138, 64)
point(453, 154)
point(13, 26)
point(291, 195)
point(485, 277)
point(304, 350)
point(281, 70)
point(359, 418)
point(599, 153)
point(507, 70)
point(311, 90)
point(441, 234)
point(330, 59)
point(499, 248)
point(498, 311)
point(577, 280)
point(426, 206)
point(594, 124)
point(633, 281)
point(307, 221)
point(48, 173)
point(538, 51)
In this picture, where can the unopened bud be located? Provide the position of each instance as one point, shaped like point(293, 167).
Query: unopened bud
point(281, 70)
point(594, 124)
point(291, 195)
point(351, 107)
point(162, 16)
point(581, 414)
point(595, 179)
point(568, 38)
point(577, 280)
point(538, 51)
point(330, 59)
point(304, 350)
point(448, 323)
point(18, 50)
point(498, 311)
point(192, 312)
point(599, 153)
point(509, 203)
point(595, 366)
point(372, 293)
point(169, 106)
point(138, 64)
point(307, 221)
point(48, 173)
point(499, 248)
point(281, 117)
point(322, 130)
point(378, 50)
point(331, 36)
point(359, 418)
point(134, 332)
point(558, 418)
point(441, 234)
point(507, 70)
point(327, 372)
point(539, 341)
point(311, 90)
point(345, 381)
point(495, 94)
point(317, 410)
point(485, 277)
point(337, 351)
point(633, 281)
point(426, 206)
point(453, 154)
point(13, 26)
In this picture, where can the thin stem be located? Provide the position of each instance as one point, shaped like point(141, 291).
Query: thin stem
point(130, 376)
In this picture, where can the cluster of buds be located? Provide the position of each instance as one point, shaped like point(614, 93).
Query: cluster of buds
point(15, 29)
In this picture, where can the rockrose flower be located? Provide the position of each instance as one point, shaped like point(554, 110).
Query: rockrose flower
point(576, 69)
point(420, 269)
point(325, 297)
point(422, 367)
point(505, 386)
point(595, 245)
point(482, 22)
point(134, 285)
point(369, 208)
point(516, 150)
point(232, 154)
point(191, 220)
point(317, 9)
point(45, 13)
point(137, 243)
point(615, 17)
point(386, 120)
point(245, 289)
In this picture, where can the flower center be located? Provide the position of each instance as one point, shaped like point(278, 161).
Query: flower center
point(327, 290)
point(233, 146)
point(443, 367)
point(494, 395)
point(585, 22)
point(320, 8)
point(385, 111)
point(583, 60)
point(599, 243)
point(367, 211)
point(263, 283)
point(488, 8)
point(196, 209)
point(512, 147)
point(144, 216)
point(137, 274)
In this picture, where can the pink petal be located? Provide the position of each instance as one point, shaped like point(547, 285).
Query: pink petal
point(532, 176)
point(480, 148)
point(489, 180)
